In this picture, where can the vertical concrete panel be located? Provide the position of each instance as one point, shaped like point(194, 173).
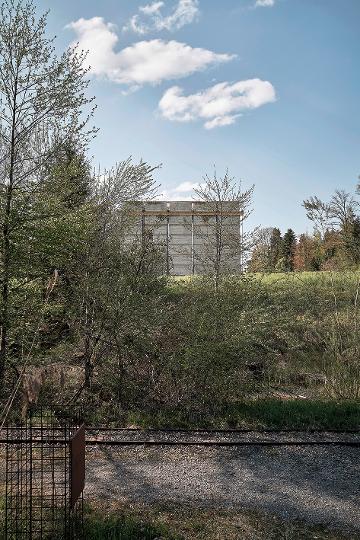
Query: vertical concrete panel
point(189, 239)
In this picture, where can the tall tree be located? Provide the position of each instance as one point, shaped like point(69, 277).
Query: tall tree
point(42, 99)
point(112, 269)
point(275, 247)
point(68, 175)
point(261, 257)
point(307, 254)
point(352, 240)
point(288, 250)
point(339, 214)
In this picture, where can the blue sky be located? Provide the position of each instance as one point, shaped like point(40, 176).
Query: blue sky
point(270, 91)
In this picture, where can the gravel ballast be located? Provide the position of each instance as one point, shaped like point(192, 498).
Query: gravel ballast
point(317, 484)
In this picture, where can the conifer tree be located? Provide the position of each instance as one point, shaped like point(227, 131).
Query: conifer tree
point(288, 250)
point(275, 248)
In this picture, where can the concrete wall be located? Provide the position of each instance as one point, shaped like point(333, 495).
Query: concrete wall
point(190, 238)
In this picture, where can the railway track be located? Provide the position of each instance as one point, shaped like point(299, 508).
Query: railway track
point(104, 436)
point(125, 437)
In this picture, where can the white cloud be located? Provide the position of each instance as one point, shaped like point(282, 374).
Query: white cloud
point(136, 26)
point(182, 192)
point(220, 121)
point(150, 9)
point(264, 3)
point(144, 62)
point(219, 105)
point(185, 187)
point(151, 19)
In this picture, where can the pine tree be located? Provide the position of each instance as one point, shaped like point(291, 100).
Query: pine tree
point(275, 248)
point(288, 250)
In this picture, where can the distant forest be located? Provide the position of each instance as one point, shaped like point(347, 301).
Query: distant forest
point(334, 244)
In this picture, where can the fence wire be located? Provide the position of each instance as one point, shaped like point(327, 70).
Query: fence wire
point(38, 478)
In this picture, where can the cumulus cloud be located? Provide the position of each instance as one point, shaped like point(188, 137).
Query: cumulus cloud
point(186, 187)
point(219, 105)
point(143, 62)
point(182, 192)
point(151, 18)
point(264, 3)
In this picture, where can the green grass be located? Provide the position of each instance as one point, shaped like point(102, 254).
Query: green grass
point(120, 526)
point(266, 413)
point(125, 521)
point(297, 414)
point(278, 275)
point(168, 522)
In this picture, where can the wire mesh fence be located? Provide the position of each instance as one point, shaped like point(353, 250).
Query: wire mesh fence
point(44, 477)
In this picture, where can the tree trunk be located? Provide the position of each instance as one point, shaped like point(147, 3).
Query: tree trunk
point(219, 247)
point(88, 369)
point(4, 314)
point(5, 285)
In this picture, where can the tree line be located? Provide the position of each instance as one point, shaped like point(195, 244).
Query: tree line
point(333, 245)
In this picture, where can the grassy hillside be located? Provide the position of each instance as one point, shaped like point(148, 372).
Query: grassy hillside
point(273, 349)
point(226, 357)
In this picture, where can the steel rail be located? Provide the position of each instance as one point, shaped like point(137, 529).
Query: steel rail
point(223, 443)
point(89, 442)
point(199, 430)
point(221, 431)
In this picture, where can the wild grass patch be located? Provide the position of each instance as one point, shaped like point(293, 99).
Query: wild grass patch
point(264, 413)
point(168, 522)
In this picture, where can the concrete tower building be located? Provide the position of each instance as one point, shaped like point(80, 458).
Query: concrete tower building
point(192, 232)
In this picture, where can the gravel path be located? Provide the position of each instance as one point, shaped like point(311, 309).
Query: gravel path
point(314, 484)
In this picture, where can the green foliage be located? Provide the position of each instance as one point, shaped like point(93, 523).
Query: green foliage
point(84, 304)
point(181, 353)
point(298, 414)
point(255, 414)
point(275, 248)
point(45, 248)
point(338, 217)
point(44, 112)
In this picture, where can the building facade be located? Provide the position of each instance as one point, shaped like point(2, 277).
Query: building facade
point(193, 235)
